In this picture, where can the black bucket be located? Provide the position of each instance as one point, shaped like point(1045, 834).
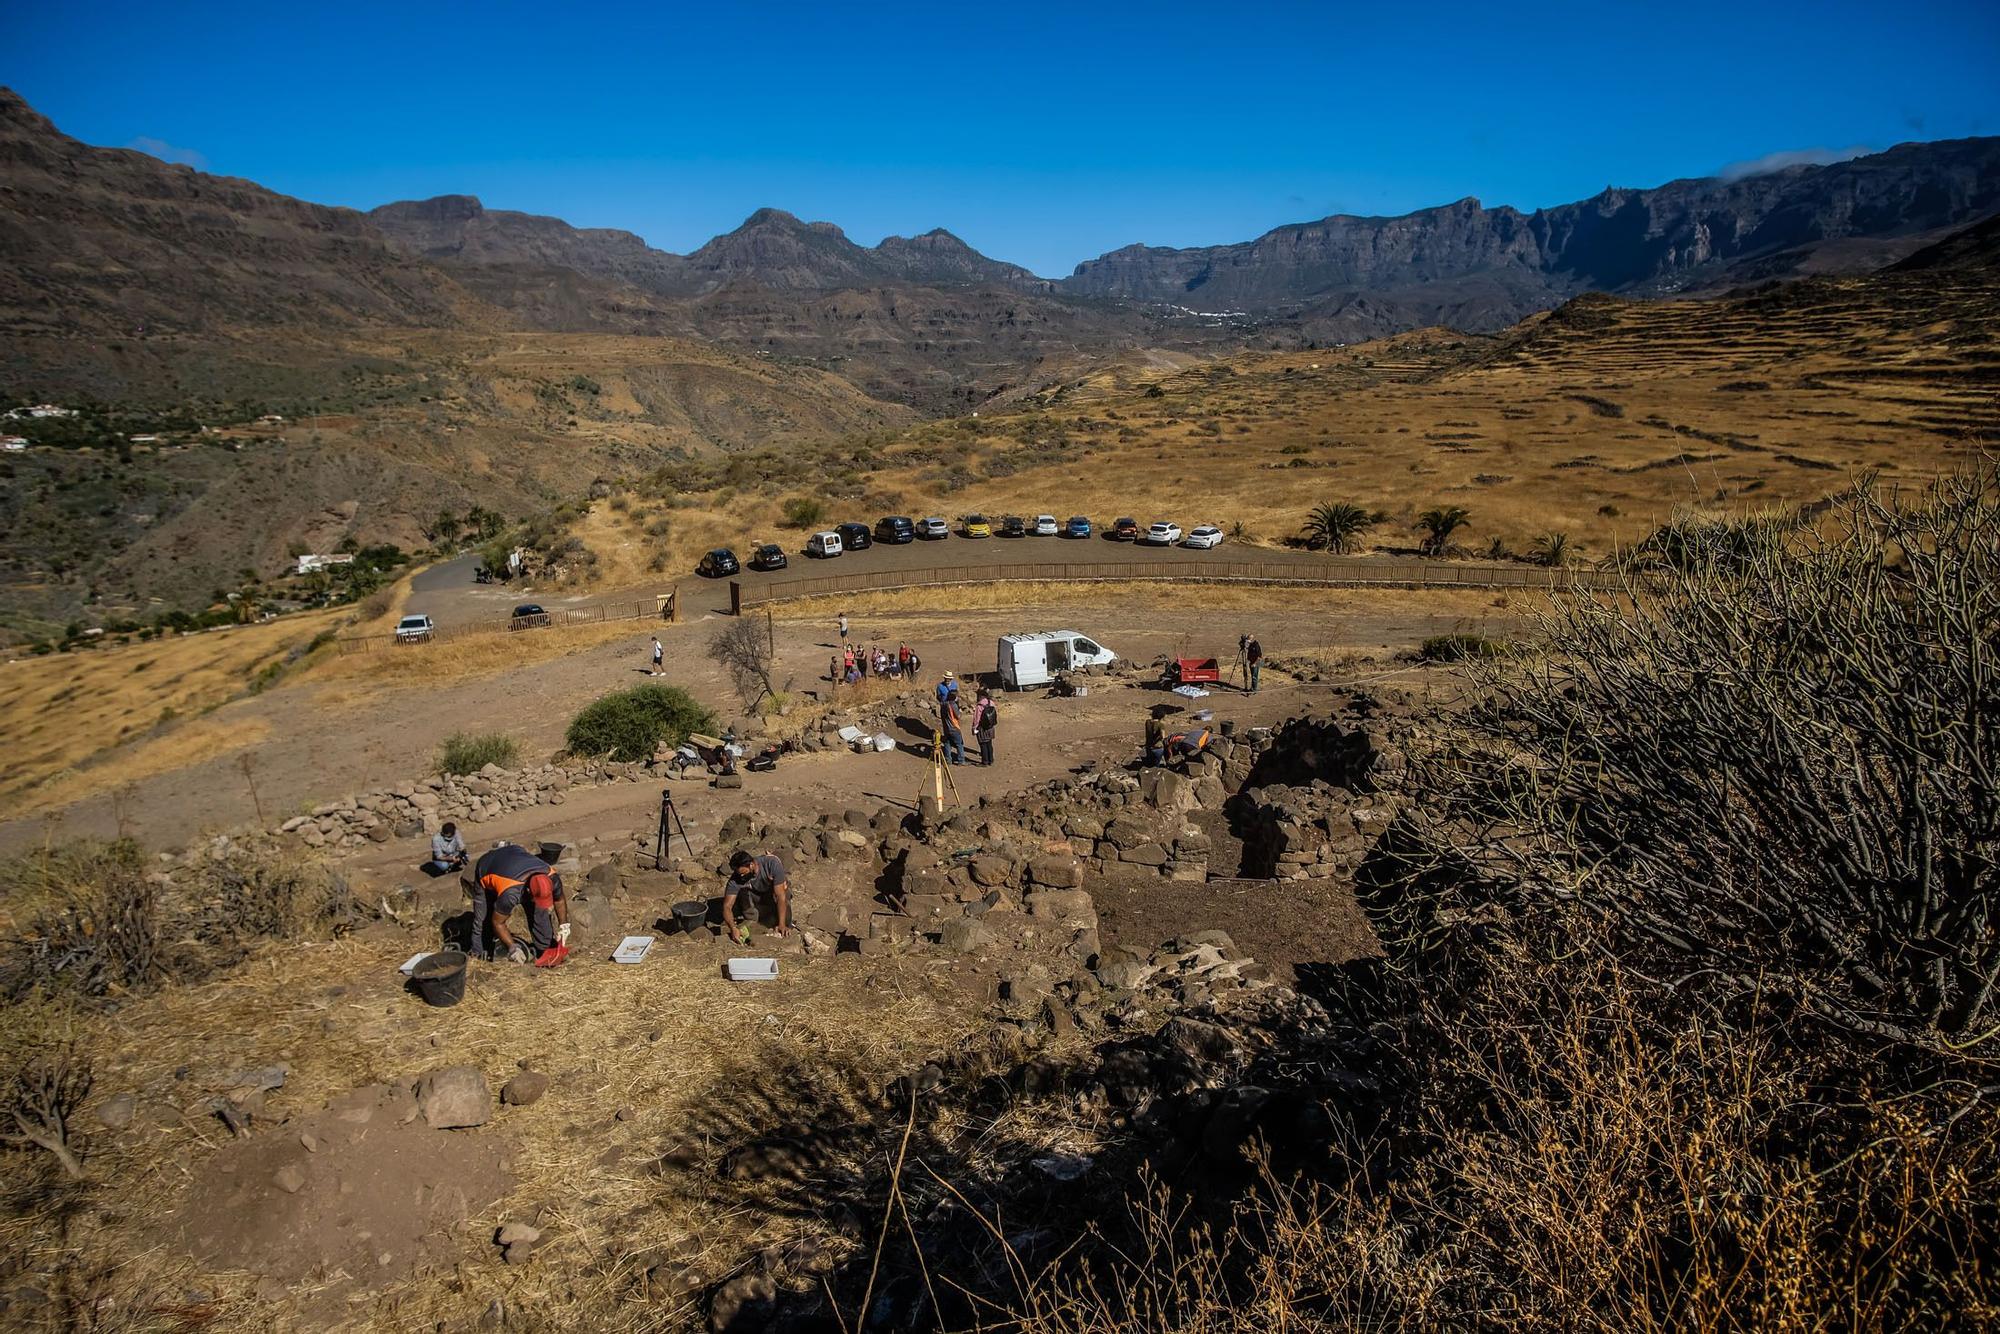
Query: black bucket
point(440, 977)
point(1229, 727)
point(553, 852)
point(691, 915)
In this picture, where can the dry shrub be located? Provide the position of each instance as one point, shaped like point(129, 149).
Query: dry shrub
point(1687, 1016)
point(100, 924)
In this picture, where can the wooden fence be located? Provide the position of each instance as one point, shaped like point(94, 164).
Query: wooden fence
point(1334, 572)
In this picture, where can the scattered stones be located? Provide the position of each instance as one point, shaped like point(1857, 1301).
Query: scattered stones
point(965, 935)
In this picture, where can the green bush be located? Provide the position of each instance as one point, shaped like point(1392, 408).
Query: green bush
point(469, 752)
point(1460, 647)
point(804, 512)
point(633, 724)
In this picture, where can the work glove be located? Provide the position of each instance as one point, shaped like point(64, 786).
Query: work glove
point(518, 954)
point(562, 933)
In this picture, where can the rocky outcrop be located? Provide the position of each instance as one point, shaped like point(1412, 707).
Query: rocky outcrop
point(418, 809)
point(1499, 264)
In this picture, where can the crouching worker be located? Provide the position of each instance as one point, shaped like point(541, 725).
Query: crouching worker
point(504, 879)
point(447, 852)
point(1185, 746)
point(755, 881)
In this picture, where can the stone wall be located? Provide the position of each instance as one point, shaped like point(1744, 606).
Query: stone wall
point(413, 810)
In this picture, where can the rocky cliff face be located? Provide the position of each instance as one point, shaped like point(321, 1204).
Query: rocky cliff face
point(1435, 263)
point(113, 241)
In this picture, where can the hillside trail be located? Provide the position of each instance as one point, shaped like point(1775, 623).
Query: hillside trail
point(335, 738)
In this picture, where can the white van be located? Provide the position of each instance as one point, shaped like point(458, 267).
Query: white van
point(1034, 660)
point(824, 544)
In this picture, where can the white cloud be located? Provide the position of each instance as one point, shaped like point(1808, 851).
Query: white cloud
point(1791, 157)
point(166, 152)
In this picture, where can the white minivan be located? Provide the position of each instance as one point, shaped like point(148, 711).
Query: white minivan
point(824, 545)
point(1034, 660)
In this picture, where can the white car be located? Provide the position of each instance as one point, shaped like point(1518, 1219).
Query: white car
point(414, 630)
point(1046, 525)
point(1204, 537)
point(1163, 534)
point(933, 528)
point(824, 545)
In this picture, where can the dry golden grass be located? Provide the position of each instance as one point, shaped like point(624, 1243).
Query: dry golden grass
point(348, 677)
point(669, 1041)
point(1003, 595)
point(1599, 423)
point(60, 715)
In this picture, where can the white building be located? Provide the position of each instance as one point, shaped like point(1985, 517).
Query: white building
point(309, 563)
point(13, 442)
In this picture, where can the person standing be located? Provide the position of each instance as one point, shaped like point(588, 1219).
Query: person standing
point(840, 622)
point(1253, 654)
point(1156, 737)
point(659, 657)
point(985, 719)
point(950, 725)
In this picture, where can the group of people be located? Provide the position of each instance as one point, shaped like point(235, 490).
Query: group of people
point(952, 717)
point(509, 877)
point(855, 665)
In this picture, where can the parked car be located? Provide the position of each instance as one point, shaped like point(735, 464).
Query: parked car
point(527, 616)
point(824, 545)
point(1163, 534)
point(1013, 526)
point(853, 536)
point(415, 629)
point(933, 528)
point(1204, 537)
point(769, 556)
point(976, 526)
point(1125, 530)
point(895, 529)
point(1046, 526)
point(1078, 526)
point(718, 564)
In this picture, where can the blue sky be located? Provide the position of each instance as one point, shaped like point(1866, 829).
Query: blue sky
point(1041, 134)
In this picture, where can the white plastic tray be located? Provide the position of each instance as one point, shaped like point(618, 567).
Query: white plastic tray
point(752, 970)
point(632, 949)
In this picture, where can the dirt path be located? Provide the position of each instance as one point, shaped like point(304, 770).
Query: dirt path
point(331, 739)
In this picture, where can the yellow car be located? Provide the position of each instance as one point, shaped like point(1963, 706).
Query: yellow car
point(976, 526)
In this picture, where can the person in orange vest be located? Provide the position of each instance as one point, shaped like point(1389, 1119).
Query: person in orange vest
point(511, 877)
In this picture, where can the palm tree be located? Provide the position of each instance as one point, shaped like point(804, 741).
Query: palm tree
point(1553, 550)
point(1336, 524)
point(1439, 524)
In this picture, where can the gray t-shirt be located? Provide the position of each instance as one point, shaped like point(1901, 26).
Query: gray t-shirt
point(445, 849)
point(766, 874)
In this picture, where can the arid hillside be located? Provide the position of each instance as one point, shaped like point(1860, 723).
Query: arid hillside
point(1597, 422)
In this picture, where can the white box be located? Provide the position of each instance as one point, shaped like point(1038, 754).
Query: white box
point(632, 949)
point(752, 970)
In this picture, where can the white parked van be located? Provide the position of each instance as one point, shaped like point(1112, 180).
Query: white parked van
point(1034, 660)
point(824, 544)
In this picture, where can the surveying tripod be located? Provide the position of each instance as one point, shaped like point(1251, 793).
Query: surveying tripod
point(940, 774)
point(670, 824)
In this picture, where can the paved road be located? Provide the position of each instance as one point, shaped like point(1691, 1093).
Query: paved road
point(449, 595)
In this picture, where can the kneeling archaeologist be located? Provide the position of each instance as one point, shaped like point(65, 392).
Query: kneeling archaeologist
point(754, 880)
point(509, 877)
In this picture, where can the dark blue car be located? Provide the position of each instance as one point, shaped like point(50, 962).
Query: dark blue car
point(1078, 526)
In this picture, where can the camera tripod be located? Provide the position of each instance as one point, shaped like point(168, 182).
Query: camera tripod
point(670, 824)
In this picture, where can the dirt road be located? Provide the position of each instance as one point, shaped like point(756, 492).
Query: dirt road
point(328, 740)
